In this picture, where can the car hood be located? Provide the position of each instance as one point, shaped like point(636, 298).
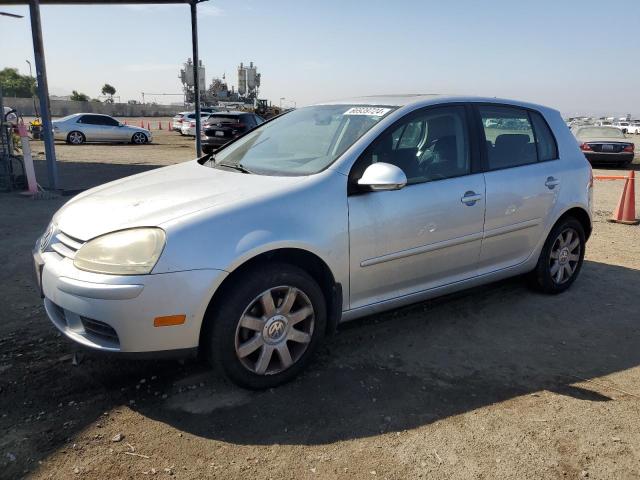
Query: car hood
point(158, 196)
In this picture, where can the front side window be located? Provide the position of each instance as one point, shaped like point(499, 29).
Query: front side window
point(302, 142)
point(510, 141)
point(427, 146)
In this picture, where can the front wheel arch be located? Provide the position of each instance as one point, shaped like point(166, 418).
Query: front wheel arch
point(307, 261)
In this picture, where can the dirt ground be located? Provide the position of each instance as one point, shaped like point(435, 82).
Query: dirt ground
point(495, 382)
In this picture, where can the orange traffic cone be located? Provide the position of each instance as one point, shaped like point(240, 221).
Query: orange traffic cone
point(626, 209)
point(159, 125)
point(148, 126)
point(141, 123)
point(125, 122)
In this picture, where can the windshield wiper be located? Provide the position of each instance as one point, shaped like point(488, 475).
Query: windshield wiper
point(234, 166)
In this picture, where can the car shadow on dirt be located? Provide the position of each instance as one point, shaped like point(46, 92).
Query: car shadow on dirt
point(429, 361)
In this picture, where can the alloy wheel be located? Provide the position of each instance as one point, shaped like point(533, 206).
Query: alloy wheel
point(139, 138)
point(76, 138)
point(565, 256)
point(275, 330)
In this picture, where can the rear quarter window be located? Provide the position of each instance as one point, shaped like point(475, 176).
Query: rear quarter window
point(545, 141)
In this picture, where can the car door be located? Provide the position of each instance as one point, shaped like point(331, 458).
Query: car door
point(522, 183)
point(111, 130)
point(89, 126)
point(428, 233)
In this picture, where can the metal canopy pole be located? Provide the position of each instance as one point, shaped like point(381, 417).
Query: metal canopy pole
point(43, 93)
point(196, 73)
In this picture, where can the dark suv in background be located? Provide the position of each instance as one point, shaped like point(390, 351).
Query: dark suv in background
point(221, 128)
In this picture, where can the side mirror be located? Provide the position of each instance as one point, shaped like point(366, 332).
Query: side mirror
point(382, 176)
point(121, 124)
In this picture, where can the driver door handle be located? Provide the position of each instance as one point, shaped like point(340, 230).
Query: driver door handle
point(470, 198)
point(552, 182)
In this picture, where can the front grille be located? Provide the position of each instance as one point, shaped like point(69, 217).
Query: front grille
point(99, 329)
point(65, 245)
point(607, 147)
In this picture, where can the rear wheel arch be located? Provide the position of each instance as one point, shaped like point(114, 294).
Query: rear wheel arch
point(303, 259)
point(579, 214)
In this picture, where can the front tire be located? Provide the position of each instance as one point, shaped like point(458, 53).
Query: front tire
point(139, 138)
point(561, 257)
point(268, 327)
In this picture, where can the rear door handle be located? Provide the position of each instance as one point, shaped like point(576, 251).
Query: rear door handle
point(470, 198)
point(551, 183)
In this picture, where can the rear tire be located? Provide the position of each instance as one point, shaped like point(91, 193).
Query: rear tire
point(561, 257)
point(250, 335)
point(76, 138)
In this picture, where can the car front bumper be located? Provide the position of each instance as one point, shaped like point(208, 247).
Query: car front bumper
point(112, 313)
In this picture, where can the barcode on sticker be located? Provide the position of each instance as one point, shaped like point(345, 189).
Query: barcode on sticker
point(374, 111)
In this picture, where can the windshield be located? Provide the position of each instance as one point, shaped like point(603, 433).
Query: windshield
point(303, 141)
point(601, 132)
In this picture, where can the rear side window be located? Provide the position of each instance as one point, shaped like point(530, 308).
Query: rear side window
point(510, 141)
point(545, 141)
point(88, 120)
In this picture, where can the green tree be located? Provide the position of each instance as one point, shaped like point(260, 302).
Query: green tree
point(110, 91)
point(16, 85)
point(79, 97)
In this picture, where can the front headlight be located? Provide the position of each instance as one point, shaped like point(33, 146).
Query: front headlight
point(127, 252)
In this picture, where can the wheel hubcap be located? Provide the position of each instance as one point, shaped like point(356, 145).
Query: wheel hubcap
point(565, 255)
point(275, 330)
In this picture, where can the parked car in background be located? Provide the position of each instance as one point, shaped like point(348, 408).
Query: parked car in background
point(185, 117)
point(221, 128)
point(634, 128)
point(623, 126)
point(176, 121)
point(79, 128)
point(604, 144)
point(189, 124)
point(322, 215)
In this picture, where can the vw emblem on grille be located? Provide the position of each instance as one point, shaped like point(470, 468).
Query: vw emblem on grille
point(46, 237)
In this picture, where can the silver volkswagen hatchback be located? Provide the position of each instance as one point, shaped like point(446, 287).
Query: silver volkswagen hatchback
point(319, 216)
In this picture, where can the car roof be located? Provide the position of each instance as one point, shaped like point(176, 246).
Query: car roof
point(427, 99)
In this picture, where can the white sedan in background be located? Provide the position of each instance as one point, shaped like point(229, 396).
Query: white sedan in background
point(79, 128)
point(188, 127)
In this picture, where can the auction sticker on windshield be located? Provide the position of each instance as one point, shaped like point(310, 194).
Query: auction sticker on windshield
point(374, 111)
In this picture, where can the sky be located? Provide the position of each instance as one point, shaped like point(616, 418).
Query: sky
point(579, 56)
